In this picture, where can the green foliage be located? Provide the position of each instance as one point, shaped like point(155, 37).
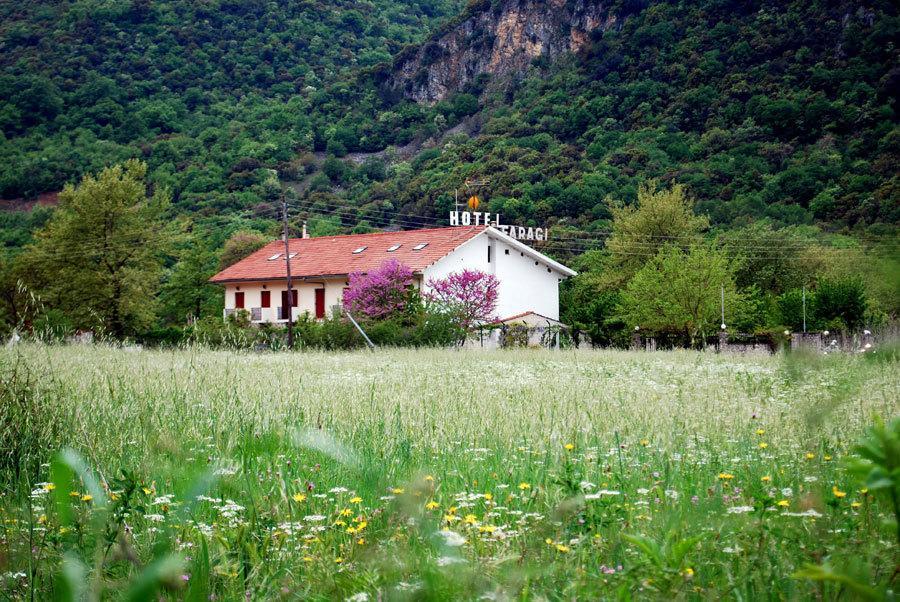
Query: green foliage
point(241, 244)
point(99, 259)
point(877, 462)
point(681, 291)
point(660, 217)
point(840, 304)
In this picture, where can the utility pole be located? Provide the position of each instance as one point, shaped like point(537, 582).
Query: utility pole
point(287, 264)
point(722, 291)
point(804, 309)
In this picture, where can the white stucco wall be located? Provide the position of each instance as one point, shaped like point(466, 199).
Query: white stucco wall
point(306, 296)
point(524, 286)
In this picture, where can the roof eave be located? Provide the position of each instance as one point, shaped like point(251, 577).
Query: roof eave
point(522, 247)
point(213, 280)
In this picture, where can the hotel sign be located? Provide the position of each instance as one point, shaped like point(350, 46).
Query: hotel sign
point(486, 218)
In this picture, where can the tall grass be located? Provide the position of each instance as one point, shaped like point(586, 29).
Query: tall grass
point(566, 474)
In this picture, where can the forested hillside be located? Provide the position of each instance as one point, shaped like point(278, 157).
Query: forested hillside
point(85, 83)
point(770, 114)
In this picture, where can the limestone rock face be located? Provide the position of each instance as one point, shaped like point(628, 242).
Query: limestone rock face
point(496, 38)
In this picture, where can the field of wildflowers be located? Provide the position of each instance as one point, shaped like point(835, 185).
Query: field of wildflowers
point(437, 474)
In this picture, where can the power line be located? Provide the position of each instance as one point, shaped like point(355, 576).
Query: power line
point(583, 244)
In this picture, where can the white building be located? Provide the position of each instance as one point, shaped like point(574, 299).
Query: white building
point(529, 280)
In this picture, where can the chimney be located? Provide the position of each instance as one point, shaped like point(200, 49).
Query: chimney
point(305, 233)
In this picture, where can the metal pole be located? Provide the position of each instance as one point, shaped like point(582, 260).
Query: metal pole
point(287, 263)
point(361, 331)
point(722, 289)
point(804, 310)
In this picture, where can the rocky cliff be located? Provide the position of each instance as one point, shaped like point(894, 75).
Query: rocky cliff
point(496, 38)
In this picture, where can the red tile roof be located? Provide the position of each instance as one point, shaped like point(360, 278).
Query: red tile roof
point(333, 255)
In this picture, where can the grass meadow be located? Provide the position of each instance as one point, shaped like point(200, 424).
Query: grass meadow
point(438, 474)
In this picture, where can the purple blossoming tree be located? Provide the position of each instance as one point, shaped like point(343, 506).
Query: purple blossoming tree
point(470, 294)
point(381, 292)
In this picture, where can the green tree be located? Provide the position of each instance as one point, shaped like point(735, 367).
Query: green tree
point(188, 293)
point(680, 291)
point(767, 257)
point(660, 217)
point(241, 244)
point(99, 258)
point(840, 303)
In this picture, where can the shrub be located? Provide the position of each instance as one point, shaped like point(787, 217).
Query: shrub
point(380, 293)
point(841, 303)
point(468, 295)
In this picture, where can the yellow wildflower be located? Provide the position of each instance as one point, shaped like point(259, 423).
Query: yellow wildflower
point(397, 490)
point(688, 572)
point(338, 560)
point(362, 525)
point(340, 523)
point(810, 455)
point(74, 494)
point(432, 505)
point(524, 486)
point(299, 497)
point(87, 497)
point(827, 458)
point(760, 431)
point(49, 486)
point(360, 541)
point(784, 503)
point(838, 493)
point(487, 528)
point(763, 445)
point(855, 504)
point(562, 549)
point(351, 530)
point(429, 478)
point(346, 512)
point(645, 442)
point(766, 479)
point(569, 446)
point(146, 490)
point(725, 476)
point(549, 541)
point(450, 518)
point(356, 500)
point(307, 559)
point(488, 496)
point(42, 519)
point(471, 519)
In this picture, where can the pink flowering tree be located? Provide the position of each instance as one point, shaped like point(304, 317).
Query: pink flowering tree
point(470, 294)
point(380, 293)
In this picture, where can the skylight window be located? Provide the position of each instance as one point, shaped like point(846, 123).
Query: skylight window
point(420, 246)
point(275, 256)
point(393, 248)
point(359, 250)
